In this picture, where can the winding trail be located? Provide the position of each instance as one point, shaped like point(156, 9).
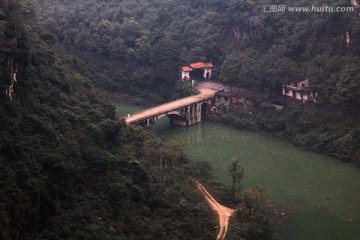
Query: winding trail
point(223, 212)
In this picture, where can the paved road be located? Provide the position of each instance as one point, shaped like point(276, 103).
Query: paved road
point(242, 91)
point(213, 85)
point(221, 86)
point(205, 93)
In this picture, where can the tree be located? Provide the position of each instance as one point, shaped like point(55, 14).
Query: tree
point(230, 70)
point(253, 200)
point(143, 50)
point(236, 171)
point(250, 222)
point(166, 59)
point(347, 88)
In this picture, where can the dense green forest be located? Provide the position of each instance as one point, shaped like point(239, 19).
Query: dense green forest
point(138, 47)
point(70, 170)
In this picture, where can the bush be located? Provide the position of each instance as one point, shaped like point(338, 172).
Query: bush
point(241, 123)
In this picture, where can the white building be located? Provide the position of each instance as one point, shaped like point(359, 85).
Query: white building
point(300, 91)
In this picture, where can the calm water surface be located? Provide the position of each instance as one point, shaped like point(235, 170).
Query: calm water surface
point(322, 193)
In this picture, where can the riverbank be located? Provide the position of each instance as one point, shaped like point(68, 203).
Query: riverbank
point(313, 126)
point(303, 128)
point(118, 96)
point(318, 194)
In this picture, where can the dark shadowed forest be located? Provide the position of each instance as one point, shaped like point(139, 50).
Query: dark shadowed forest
point(69, 169)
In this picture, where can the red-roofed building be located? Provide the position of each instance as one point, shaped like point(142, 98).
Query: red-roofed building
point(207, 67)
point(185, 74)
point(201, 65)
point(186, 69)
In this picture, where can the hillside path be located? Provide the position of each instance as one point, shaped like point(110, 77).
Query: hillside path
point(223, 212)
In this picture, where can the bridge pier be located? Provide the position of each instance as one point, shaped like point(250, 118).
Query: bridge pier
point(177, 120)
point(189, 115)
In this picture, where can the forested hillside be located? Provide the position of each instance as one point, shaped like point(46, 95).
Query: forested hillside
point(143, 43)
point(149, 40)
point(68, 168)
point(138, 46)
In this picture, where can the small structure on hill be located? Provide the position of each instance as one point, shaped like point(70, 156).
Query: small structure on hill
point(299, 90)
point(198, 70)
point(224, 100)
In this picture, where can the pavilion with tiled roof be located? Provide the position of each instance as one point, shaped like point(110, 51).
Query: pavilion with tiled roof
point(207, 67)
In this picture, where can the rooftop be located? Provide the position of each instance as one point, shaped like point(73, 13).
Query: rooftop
point(186, 68)
point(201, 65)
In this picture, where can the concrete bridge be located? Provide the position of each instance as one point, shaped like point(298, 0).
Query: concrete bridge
point(182, 112)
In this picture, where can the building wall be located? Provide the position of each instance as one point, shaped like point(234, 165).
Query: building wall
point(185, 75)
point(306, 96)
point(293, 91)
point(290, 93)
point(207, 71)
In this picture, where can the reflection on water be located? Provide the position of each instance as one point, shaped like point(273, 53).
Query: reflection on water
point(321, 194)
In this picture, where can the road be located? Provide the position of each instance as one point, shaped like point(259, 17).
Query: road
point(213, 85)
point(223, 212)
point(221, 86)
point(227, 88)
point(205, 93)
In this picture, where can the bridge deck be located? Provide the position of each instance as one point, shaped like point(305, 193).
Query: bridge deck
point(205, 93)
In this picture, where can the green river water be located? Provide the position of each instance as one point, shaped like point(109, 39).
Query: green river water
point(322, 194)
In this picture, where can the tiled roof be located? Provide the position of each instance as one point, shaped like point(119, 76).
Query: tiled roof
point(186, 68)
point(201, 65)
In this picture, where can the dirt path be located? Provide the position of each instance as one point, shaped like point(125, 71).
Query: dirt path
point(223, 212)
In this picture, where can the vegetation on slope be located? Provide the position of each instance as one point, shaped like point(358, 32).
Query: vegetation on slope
point(272, 49)
point(143, 43)
point(68, 168)
point(138, 47)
